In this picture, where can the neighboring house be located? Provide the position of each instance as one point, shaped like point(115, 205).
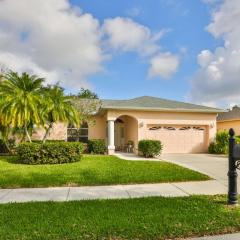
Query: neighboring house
point(230, 119)
point(181, 127)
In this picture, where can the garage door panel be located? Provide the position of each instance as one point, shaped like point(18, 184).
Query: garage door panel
point(180, 139)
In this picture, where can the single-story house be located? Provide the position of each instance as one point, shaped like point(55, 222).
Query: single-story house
point(181, 127)
point(229, 119)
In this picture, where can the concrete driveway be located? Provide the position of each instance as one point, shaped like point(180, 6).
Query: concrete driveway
point(215, 166)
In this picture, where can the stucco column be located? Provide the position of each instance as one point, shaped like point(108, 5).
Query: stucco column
point(111, 145)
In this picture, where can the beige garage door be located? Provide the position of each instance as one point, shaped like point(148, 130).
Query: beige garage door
point(179, 139)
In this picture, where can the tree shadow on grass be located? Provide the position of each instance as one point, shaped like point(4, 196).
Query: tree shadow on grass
point(10, 159)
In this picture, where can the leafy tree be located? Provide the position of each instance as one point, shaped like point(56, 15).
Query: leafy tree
point(87, 103)
point(22, 96)
point(58, 107)
point(88, 94)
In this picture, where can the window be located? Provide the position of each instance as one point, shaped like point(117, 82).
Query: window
point(169, 128)
point(77, 134)
point(155, 128)
point(198, 128)
point(83, 132)
point(184, 128)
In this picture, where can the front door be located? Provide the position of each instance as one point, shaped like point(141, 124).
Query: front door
point(119, 136)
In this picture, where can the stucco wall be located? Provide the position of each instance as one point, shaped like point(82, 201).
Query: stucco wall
point(169, 118)
point(226, 125)
point(58, 132)
point(137, 124)
point(97, 128)
point(131, 131)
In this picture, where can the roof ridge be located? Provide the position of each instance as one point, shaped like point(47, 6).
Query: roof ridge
point(173, 101)
point(154, 104)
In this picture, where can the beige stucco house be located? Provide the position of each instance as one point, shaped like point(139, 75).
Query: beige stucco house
point(181, 127)
point(229, 119)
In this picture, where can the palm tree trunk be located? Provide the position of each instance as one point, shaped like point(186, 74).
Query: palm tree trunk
point(7, 146)
point(23, 137)
point(27, 134)
point(47, 132)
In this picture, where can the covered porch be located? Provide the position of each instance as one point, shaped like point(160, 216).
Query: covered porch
point(122, 134)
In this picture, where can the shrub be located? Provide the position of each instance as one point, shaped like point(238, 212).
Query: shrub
point(220, 145)
point(7, 147)
point(97, 146)
point(222, 142)
point(85, 147)
point(212, 148)
point(237, 138)
point(48, 141)
point(3, 147)
point(49, 153)
point(150, 148)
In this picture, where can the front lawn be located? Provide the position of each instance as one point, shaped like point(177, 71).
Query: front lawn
point(144, 218)
point(92, 170)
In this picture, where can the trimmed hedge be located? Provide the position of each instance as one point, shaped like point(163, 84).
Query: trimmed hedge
point(48, 141)
point(49, 153)
point(97, 146)
point(150, 148)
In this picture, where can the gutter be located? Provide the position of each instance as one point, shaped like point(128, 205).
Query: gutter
point(228, 120)
point(165, 109)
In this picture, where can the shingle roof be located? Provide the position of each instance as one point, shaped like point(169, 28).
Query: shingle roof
point(230, 115)
point(156, 104)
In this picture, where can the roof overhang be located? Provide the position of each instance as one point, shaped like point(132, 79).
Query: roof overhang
point(149, 109)
point(228, 120)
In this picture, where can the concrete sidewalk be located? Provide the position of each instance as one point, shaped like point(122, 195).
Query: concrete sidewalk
point(234, 236)
point(112, 192)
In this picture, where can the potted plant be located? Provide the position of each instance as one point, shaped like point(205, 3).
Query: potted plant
point(130, 145)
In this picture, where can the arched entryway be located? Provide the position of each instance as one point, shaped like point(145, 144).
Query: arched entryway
point(125, 133)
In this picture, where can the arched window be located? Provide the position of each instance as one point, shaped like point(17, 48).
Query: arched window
point(77, 134)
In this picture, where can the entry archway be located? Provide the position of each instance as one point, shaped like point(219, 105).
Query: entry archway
point(126, 133)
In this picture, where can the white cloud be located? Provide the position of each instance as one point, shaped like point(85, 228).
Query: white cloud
point(218, 78)
point(163, 65)
point(204, 58)
point(21, 64)
point(133, 12)
point(50, 37)
point(126, 35)
point(61, 43)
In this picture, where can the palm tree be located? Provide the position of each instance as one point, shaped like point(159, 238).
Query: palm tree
point(4, 133)
point(58, 108)
point(22, 100)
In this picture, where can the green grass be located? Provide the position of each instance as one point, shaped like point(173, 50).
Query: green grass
point(92, 170)
point(144, 218)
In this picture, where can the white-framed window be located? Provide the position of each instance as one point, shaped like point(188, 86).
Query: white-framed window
point(77, 134)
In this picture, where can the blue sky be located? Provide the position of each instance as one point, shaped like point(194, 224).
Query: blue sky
point(126, 73)
point(185, 50)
